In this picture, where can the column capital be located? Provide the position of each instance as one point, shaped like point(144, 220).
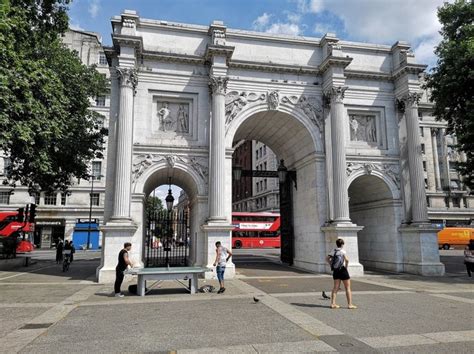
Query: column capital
point(335, 94)
point(411, 99)
point(128, 77)
point(218, 84)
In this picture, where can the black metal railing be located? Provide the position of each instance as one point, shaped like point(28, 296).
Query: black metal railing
point(167, 238)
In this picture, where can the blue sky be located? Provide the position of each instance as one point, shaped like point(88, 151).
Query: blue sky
point(376, 21)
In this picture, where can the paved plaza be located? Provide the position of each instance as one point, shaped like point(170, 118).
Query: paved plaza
point(47, 311)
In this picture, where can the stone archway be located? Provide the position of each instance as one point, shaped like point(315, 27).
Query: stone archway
point(294, 135)
point(187, 172)
point(374, 204)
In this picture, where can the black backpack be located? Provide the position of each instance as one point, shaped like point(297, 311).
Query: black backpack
point(337, 260)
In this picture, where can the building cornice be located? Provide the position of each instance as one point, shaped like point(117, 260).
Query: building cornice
point(271, 67)
point(218, 50)
point(368, 75)
point(415, 69)
point(120, 40)
point(174, 58)
point(334, 61)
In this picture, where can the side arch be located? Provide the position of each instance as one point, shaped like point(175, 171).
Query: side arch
point(394, 190)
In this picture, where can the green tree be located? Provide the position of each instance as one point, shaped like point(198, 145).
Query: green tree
point(46, 126)
point(451, 81)
point(154, 205)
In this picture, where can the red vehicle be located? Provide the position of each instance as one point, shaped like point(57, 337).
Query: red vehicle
point(255, 230)
point(16, 231)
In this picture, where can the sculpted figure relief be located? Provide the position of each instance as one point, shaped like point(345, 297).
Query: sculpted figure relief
point(273, 100)
point(183, 119)
point(173, 117)
point(164, 117)
point(233, 104)
point(363, 128)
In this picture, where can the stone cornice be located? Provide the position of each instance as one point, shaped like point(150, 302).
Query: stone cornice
point(224, 50)
point(127, 41)
point(334, 61)
point(174, 58)
point(368, 75)
point(271, 67)
point(408, 69)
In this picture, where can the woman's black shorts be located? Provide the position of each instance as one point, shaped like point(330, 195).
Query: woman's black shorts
point(341, 274)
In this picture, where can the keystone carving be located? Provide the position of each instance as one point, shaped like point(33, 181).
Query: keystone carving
point(273, 100)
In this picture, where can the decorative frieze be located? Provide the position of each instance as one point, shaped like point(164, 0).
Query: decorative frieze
point(390, 170)
point(143, 161)
point(235, 101)
point(218, 84)
point(312, 108)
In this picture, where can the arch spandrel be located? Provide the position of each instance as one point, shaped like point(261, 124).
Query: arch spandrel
point(306, 110)
point(188, 172)
point(388, 173)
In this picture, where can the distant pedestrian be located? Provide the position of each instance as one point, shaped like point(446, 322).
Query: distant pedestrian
point(469, 258)
point(73, 250)
point(123, 263)
point(59, 251)
point(339, 262)
point(222, 257)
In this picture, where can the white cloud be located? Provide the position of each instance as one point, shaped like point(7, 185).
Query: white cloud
point(387, 21)
point(94, 6)
point(284, 28)
point(424, 52)
point(323, 28)
point(293, 17)
point(75, 26)
point(261, 22)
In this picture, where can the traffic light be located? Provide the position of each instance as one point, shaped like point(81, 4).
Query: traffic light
point(21, 214)
point(32, 214)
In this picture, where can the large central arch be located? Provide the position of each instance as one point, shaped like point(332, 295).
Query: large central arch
point(294, 137)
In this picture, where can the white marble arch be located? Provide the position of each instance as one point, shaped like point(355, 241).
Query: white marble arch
point(184, 176)
point(294, 138)
point(375, 204)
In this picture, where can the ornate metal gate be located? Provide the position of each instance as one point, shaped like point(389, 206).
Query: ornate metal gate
point(167, 238)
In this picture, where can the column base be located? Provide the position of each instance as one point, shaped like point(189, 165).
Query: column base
point(420, 250)
point(217, 231)
point(115, 234)
point(348, 232)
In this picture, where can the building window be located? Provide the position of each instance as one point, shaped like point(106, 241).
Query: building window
point(100, 101)
point(4, 197)
point(63, 198)
point(422, 132)
point(424, 166)
point(265, 165)
point(256, 154)
point(422, 148)
point(95, 199)
point(264, 149)
point(6, 165)
point(50, 199)
point(456, 202)
point(96, 170)
point(103, 59)
point(265, 184)
point(420, 115)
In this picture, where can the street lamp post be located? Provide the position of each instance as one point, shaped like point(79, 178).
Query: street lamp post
point(90, 210)
point(169, 205)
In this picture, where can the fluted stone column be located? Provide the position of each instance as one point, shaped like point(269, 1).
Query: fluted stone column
point(444, 157)
point(415, 161)
point(434, 144)
point(341, 199)
point(218, 86)
point(123, 175)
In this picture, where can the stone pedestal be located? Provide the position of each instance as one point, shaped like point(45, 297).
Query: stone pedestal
point(420, 250)
point(115, 234)
point(218, 232)
point(348, 232)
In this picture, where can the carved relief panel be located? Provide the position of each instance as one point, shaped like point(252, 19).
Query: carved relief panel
point(172, 117)
point(366, 128)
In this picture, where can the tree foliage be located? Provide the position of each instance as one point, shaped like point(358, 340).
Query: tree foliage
point(46, 126)
point(154, 205)
point(451, 81)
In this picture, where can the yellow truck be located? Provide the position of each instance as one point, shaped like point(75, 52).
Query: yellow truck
point(455, 236)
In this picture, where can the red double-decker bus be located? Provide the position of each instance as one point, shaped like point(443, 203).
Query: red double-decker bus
point(255, 230)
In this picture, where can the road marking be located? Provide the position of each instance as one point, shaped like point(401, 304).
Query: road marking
point(31, 271)
point(455, 298)
point(405, 340)
point(282, 347)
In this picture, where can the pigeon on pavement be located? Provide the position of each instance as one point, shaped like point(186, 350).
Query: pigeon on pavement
point(255, 299)
point(325, 297)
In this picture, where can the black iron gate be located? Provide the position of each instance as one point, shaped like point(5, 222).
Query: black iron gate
point(167, 239)
point(286, 222)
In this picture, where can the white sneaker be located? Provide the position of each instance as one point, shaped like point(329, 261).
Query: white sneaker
point(119, 295)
